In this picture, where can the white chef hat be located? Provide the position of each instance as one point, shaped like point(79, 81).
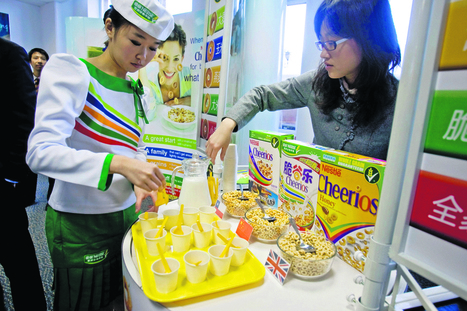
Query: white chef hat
point(148, 15)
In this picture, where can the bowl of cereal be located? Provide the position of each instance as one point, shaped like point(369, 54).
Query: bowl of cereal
point(180, 116)
point(307, 265)
point(264, 230)
point(235, 206)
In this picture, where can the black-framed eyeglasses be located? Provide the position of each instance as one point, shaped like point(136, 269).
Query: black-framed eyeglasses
point(329, 45)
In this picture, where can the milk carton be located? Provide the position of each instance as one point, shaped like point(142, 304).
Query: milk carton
point(348, 198)
point(298, 191)
point(264, 164)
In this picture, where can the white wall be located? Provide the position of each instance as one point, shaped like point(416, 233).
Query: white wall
point(25, 23)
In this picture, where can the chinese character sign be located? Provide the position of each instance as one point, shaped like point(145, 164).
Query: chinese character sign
point(440, 207)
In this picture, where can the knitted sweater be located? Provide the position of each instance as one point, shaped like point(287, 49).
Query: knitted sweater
point(84, 117)
point(334, 130)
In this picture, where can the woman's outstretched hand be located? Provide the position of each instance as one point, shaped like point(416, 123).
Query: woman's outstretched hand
point(220, 139)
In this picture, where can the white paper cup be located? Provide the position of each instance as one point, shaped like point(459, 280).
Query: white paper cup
point(150, 223)
point(181, 243)
point(239, 254)
point(202, 239)
point(152, 242)
point(190, 214)
point(206, 214)
point(166, 282)
point(224, 230)
point(173, 217)
point(219, 266)
point(196, 273)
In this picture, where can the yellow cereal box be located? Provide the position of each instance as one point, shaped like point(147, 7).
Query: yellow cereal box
point(298, 190)
point(348, 199)
point(264, 164)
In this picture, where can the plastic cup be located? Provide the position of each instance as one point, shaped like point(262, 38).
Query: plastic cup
point(219, 266)
point(202, 239)
point(150, 223)
point(152, 242)
point(181, 243)
point(196, 273)
point(190, 214)
point(224, 230)
point(239, 254)
point(166, 282)
point(172, 214)
point(206, 214)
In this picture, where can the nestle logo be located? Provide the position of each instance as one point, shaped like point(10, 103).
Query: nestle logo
point(254, 142)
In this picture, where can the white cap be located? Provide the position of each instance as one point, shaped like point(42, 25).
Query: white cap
point(148, 15)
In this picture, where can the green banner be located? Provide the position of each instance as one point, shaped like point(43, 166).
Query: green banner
point(447, 127)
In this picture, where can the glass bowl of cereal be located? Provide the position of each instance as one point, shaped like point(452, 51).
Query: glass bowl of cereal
point(307, 265)
point(179, 116)
point(264, 230)
point(236, 207)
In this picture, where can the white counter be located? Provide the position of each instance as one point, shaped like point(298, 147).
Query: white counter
point(326, 293)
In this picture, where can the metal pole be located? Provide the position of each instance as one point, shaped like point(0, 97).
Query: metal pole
point(377, 264)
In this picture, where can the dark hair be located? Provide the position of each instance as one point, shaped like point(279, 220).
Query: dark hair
point(370, 24)
point(39, 50)
point(178, 34)
point(117, 20)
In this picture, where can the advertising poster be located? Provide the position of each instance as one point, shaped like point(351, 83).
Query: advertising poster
point(171, 84)
point(212, 72)
point(4, 26)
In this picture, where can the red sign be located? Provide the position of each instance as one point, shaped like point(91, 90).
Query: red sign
point(440, 207)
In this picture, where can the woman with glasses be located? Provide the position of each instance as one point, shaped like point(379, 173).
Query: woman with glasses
point(352, 94)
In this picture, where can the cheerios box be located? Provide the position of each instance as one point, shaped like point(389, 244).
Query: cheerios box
point(264, 164)
point(299, 178)
point(348, 198)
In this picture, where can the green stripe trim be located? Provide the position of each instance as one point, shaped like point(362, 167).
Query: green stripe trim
point(92, 90)
point(105, 131)
point(109, 82)
point(106, 180)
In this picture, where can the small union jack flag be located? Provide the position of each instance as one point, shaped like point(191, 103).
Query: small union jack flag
point(277, 265)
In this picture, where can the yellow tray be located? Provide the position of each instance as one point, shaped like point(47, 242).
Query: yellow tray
point(251, 271)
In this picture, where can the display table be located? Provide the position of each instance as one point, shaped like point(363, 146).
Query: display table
point(326, 293)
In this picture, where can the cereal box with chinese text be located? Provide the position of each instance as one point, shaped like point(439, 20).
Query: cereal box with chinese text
point(298, 190)
point(348, 198)
point(264, 164)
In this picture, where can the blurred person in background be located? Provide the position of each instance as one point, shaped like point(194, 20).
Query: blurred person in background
point(37, 58)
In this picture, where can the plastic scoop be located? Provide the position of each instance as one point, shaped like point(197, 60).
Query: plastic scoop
point(146, 215)
point(164, 261)
point(217, 226)
point(197, 263)
point(225, 240)
point(159, 232)
point(199, 225)
point(178, 230)
point(226, 249)
point(162, 198)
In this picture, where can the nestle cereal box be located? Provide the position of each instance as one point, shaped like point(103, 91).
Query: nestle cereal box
point(298, 190)
point(348, 198)
point(264, 164)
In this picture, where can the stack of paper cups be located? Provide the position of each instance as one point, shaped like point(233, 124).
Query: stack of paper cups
point(229, 174)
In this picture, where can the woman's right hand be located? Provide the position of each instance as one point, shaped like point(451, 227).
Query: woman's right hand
point(142, 174)
point(220, 139)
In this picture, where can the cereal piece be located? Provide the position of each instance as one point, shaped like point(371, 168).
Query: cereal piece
point(368, 231)
point(170, 94)
point(350, 240)
point(334, 217)
point(176, 101)
point(179, 67)
point(358, 189)
point(175, 85)
point(162, 80)
point(360, 235)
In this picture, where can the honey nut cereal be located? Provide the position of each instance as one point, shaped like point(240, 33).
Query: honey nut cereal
point(303, 263)
point(263, 229)
point(235, 206)
point(181, 115)
point(356, 241)
point(266, 169)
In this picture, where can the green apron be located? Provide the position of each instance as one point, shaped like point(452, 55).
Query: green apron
point(86, 254)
